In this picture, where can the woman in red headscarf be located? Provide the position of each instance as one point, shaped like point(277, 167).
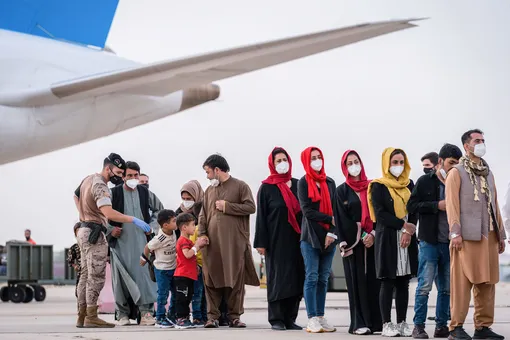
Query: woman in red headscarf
point(356, 237)
point(318, 236)
point(277, 234)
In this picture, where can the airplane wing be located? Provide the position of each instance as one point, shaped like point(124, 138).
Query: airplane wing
point(163, 78)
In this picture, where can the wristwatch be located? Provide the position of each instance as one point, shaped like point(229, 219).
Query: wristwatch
point(454, 235)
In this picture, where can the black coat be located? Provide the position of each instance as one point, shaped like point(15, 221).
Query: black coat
point(386, 229)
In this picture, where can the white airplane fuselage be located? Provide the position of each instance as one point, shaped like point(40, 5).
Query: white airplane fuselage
point(29, 61)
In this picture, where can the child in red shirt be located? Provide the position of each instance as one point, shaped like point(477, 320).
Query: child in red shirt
point(186, 272)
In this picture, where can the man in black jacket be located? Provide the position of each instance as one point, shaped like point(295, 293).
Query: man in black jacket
point(428, 200)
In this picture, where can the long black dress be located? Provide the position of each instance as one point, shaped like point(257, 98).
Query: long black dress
point(284, 263)
point(362, 284)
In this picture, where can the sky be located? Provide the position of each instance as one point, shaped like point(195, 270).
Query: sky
point(415, 89)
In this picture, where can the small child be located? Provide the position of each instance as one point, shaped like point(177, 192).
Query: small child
point(163, 246)
point(186, 273)
point(74, 258)
point(199, 307)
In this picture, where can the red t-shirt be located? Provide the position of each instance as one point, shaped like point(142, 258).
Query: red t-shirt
point(185, 267)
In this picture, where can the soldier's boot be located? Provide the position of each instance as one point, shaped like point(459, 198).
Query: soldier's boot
point(92, 321)
point(82, 312)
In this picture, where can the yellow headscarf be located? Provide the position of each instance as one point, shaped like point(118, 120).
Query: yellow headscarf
point(397, 187)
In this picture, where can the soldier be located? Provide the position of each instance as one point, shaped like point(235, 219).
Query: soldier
point(94, 204)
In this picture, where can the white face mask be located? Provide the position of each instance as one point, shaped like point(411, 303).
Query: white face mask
point(132, 183)
point(479, 150)
point(282, 167)
point(188, 204)
point(214, 182)
point(354, 170)
point(316, 164)
point(397, 170)
point(443, 173)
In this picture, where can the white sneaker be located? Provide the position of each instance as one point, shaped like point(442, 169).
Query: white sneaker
point(124, 321)
point(325, 326)
point(314, 326)
point(390, 330)
point(148, 320)
point(363, 331)
point(404, 329)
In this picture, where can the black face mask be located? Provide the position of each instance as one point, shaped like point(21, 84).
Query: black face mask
point(428, 170)
point(145, 185)
point(116, 180)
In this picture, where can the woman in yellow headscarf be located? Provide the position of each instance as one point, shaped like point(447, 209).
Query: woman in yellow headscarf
point(396, 249)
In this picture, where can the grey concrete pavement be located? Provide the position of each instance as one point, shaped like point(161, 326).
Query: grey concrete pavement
point(55, 318)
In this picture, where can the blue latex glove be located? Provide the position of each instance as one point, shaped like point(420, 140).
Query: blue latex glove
point(141, 224)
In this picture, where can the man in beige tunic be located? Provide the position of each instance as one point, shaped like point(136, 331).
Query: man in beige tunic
point(477, 236)
point(227, 259)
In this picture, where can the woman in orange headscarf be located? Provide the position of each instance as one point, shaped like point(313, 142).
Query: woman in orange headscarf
point(277, 235)
point(356, 237)
point(318, 236)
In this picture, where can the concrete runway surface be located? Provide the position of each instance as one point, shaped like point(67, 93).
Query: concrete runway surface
point(55, 317)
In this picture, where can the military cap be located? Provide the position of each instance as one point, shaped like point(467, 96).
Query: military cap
point(117, 161)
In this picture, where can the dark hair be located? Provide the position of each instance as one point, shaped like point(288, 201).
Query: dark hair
point(277, 151)
point(30, 231)
point(76, 226)
point(165, 216)
point(184, 219)
point(433, 157)
point(216, 161)
point(133, 166)
point(466, 136)
point(355, 154)
point(144, 175)
point(398, 152)
point(450, 151)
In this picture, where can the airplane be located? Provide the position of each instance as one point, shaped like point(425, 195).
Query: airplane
point(55, 93)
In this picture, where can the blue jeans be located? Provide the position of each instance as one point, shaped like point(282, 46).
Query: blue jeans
point(165, 282)
point(317, 271)
point(198, 292)
point(433, 259)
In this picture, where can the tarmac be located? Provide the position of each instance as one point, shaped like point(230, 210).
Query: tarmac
point(55, 318)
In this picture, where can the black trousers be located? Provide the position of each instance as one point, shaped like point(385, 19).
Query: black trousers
point(184, 294)
point(401, 285)
point(284, 311)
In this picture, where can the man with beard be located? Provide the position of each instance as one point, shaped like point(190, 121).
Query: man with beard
point(94, 204)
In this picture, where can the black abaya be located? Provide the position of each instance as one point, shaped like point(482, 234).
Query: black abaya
point(284, 263)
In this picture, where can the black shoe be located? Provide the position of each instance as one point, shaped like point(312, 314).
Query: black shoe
point(459, 334)
point(431, 318)
point(278, 326)
point(293, 327)
point(487, 333)
point(419, 332)
point(223, 322)
point(441, 332)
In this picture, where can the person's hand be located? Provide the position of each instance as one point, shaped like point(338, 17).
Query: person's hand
point(220, 205)
point(261, 251)
point(201, 242)
point(410, 228)
point(205, 238)
point(368, 241)
point(75, 266)
point(329, 240)
point(405, 241)
point(142, 225)
point(333, 220)
point(502, 246)
point(442, 205)
point(457, 243)
point(116, 231)
point(142, 261)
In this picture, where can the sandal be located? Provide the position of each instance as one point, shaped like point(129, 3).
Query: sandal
point(237, 323)
point(211, 324)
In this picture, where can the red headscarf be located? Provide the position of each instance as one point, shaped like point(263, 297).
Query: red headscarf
point(360, 187)
point(312, 178)
point(280, 180)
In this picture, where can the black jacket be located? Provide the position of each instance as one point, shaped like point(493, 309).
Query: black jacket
point(424, 202)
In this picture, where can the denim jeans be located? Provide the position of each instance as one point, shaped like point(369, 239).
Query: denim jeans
point(433, 258)
point(198, 292)
point(317, 271)
point(165, 282)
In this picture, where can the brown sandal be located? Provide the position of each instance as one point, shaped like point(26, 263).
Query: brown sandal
point(237, 323)
point(211, 324)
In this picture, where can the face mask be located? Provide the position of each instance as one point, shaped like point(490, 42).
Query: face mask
point(28, 238)
point(443, 173)
point(397, 170)
point(132, 183)
point(479, 150)
point(354, 170)
point(145, 185)
point(316, 164)
point(188, 204)
point(428, 170)
point(214, 182)
point(116, 180)
point(282, 168)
